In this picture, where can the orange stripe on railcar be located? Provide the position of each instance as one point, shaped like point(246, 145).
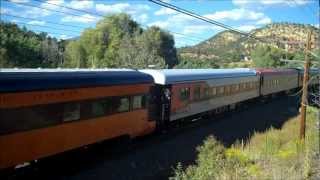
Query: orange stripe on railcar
point(13, 100)
point(29, 145)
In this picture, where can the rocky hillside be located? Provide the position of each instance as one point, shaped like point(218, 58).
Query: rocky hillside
point(227, 46)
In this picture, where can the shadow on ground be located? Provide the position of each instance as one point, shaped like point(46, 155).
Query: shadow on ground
point(154, 157)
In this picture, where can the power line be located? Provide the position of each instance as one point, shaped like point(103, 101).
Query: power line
point(190, 13)
point(39, 31)
point(36, 25)
point(31, 5)
point(197, 16)
point(50, 22)
point(194, 38)
point(67, 7)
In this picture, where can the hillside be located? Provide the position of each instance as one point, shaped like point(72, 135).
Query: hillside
point(226, 46)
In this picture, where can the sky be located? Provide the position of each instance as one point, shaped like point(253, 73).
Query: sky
point(244, 15)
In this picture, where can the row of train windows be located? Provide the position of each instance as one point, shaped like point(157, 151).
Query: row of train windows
point(26, 118)
point(272, 83)
point(210, 92)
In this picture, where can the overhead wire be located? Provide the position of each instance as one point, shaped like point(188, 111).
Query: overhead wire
point(192, 38)
point(211, 21)
point(50, 22)
point(197, 16)
point(48, 9)
point(37, 25)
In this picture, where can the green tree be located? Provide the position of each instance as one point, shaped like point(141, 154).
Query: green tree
point(118, 41)
point(75, 55)
point(194, 63)
point(266, 56)
point(22, 48)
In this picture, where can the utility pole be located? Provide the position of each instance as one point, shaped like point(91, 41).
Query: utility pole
point(304, 98)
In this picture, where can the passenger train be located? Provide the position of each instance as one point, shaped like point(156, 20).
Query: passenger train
point(48, 111)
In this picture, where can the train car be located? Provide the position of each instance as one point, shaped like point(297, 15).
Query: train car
point(314, 76)
point(45, 112)
point(185, 92)
point(277, 80)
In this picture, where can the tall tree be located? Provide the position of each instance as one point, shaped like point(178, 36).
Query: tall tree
point(118, 41)
point(75, 56)
point(266, 56)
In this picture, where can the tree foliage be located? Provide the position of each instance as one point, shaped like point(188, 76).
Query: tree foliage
point(118, 41)
point(22, 48)
point(267, 56)
point(194, 63)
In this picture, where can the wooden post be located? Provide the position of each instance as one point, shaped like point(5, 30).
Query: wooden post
point(304, 99)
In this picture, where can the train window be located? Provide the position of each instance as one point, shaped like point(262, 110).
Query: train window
point(214, 91)
point(251, 85)
point(71, 112)
point(196, 92)
point(220, 90)
point(243, 86)
point(101, 107)
point(184, 94)
point(227, 90)
point(206, 92)
point(26, 118)
point(236, 88)
point(138, 102)
point(123, 105)
point(247, 85)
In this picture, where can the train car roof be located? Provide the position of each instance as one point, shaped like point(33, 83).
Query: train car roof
point(311, 70)
point(15, 80)
point(273, 71)
point(171, 76)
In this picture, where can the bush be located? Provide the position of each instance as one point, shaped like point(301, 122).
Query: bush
point(274, 154)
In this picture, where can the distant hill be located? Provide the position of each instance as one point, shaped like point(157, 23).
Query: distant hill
point(227, 46)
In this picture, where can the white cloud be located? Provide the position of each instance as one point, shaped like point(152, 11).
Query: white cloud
point(191, 25)
point(5, 10)
point(36, 12)
point(50, 4)
point(19, 1)
point(240, 2)
point(246, 28)
point(265, 20)
point(270, 2)
point(115, 8)
point(63, 36)
point(81, 4)
point(141, 18)
point(198, 29)
point(15, 21)
point(161, 24)
point(316, 25)
point(165, 11)
point(236, 14)
point(37, 22)
point(122, 7)
point(86, 18)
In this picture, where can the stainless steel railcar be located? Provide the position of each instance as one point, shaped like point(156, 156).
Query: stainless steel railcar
point(187, 92)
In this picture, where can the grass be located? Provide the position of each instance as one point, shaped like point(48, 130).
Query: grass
point(274, 154)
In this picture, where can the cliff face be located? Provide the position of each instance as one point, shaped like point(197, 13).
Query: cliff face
point(288, 36)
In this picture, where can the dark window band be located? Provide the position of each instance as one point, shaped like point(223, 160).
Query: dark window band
point(40, 116)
